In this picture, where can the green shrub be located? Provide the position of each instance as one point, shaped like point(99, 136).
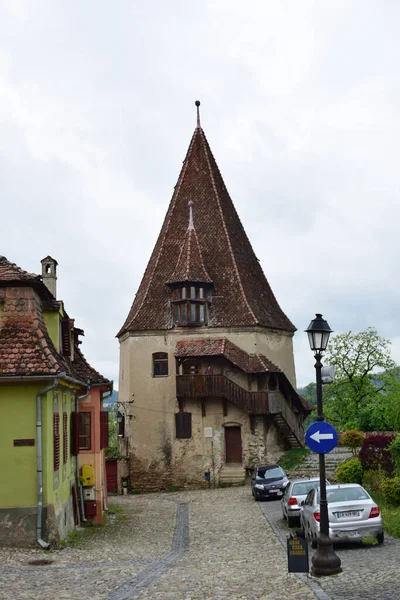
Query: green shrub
point(373, 479)
point(353, 439)
point(394, 449)
point(350, 471)
point(391, 491)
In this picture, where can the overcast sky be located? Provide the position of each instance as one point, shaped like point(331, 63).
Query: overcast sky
point(300, 102)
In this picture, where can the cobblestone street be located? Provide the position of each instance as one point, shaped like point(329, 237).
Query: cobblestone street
point(209, 544)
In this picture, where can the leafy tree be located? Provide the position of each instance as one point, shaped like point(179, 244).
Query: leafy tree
point(357, 397)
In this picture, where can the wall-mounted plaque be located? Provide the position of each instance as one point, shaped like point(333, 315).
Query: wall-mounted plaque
point(24, 442)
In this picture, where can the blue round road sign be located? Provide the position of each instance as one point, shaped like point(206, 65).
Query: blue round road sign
point(321, 437)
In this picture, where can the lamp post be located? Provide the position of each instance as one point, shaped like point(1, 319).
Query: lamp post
point(324, 561)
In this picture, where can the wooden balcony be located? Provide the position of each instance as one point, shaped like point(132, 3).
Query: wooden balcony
point(254, 403)
point(219, 386)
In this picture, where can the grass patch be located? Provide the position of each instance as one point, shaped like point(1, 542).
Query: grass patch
point(390, 515)
point(293, 458)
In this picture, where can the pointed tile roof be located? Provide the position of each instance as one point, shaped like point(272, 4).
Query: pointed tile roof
point(190, 266)
point(241, 294)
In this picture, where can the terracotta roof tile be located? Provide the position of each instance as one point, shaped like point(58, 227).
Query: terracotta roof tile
point(241, 294)
point(26, 348)
point(11, 272)
point(249, 363)
point(84, 371)
point(190, 266)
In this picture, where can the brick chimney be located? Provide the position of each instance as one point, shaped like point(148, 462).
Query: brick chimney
point(49, 274)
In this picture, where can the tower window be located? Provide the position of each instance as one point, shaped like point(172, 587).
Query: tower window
point(160, 364)
point(189, 305)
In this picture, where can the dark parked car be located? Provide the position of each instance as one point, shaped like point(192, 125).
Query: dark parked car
point(268, 481)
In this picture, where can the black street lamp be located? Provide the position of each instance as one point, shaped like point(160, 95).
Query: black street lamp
point(324, 561)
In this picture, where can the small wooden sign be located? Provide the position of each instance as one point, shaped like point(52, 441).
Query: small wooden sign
point(24, 442)
point(297, 550)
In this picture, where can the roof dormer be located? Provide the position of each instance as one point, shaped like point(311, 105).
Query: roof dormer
point(190, 283)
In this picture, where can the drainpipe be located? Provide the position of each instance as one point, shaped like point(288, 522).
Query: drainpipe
point(39, 461)
point(82, 503)
point(105, 395)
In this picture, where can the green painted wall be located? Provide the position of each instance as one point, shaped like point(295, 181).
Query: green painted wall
point(52, 321)
point(56, 485)
point(18, 463)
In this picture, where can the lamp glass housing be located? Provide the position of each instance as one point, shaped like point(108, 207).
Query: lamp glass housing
point(318, 334)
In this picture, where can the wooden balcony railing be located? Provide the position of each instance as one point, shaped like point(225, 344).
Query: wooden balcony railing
point(254, 403)
point(219, 386)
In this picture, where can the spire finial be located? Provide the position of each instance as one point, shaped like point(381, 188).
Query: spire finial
point(197, 103)
point(191, 223)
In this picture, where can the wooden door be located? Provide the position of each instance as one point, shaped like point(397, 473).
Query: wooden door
point(112, 475)
point(233, 445)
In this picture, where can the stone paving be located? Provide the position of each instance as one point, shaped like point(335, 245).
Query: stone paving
point(369, 572)
point(208, 544)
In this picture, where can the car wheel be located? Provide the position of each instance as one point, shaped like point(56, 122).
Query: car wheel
point(291, 521)
point(380, 538)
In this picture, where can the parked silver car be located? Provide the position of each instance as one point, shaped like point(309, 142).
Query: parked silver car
point(295, 493)
point(351, 511)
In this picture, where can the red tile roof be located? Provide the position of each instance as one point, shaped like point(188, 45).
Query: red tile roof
point(26, 348)
point(249, 363)
point(84, 371)
point(11, 272)
point(241, 295)
point(190, 266)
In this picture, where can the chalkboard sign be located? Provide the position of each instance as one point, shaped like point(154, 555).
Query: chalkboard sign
point(297, 550)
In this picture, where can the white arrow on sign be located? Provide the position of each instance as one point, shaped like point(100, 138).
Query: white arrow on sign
point(318, 436)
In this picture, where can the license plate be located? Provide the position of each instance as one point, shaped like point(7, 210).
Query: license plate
point(348, 513)
point(273, 491)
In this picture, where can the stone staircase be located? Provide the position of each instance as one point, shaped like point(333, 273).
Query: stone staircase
point(232, 474)
point(310, 466)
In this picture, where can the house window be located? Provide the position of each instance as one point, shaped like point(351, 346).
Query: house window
point(65, 438)
point(189, 305)
point(84, 431)
point(183, 424)
point(56, 441)
point(160, 364)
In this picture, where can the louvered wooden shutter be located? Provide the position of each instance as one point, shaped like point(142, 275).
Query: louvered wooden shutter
point(66, 337)
point(65, 438)
point(56, 441)
point(103, 429)
point(74, 433)
point(183, 424)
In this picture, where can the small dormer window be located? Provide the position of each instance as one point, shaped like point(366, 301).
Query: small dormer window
point(189, 305)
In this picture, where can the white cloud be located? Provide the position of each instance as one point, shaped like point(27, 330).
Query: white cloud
point(300, 102)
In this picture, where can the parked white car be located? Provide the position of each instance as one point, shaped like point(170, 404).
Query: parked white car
point(294, 495)
point(352, 514)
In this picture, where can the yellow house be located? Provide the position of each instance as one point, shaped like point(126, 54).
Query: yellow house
point(44, 385)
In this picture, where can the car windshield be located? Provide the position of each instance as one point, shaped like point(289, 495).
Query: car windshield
point(302, 489)
point(266, 473)
point(346, 494)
